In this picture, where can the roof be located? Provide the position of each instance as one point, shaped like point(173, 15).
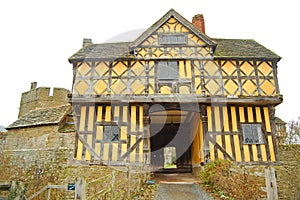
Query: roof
point(279, 121)
point(165, 18)
point(101, 51)
point(42, 116)
point(226, 48)
point(242, 48)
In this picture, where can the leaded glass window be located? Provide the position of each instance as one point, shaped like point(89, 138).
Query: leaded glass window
point(111, 133)
point(253, 134)
point(167, 70)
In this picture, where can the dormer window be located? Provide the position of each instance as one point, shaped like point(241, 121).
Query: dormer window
point(167, 70)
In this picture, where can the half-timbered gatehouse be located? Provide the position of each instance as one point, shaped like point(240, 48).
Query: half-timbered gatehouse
point(175, 96)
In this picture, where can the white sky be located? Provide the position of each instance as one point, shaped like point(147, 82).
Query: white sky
point(38, 37)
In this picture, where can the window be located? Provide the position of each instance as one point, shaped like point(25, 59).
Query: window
point(252, 134)
point(167, 70)
point(111, 133)
point(172, 39)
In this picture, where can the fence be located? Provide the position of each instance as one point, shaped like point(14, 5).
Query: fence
point(120, 183)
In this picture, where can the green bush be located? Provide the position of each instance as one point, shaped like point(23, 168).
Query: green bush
point(225, 183)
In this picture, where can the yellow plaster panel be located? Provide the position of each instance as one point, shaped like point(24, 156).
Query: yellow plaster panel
point(265, 69)
point(184, 90)
point(141, 117)
point(263, 152)
point(108, 114)
point(209, 119)
point(217, 118)
point(133, 153)
point(242, 115)
point(237, 148)
point(165, 90)
point(228, 68)
point(99, 133)
point(225, 119)
point(258, 114)
point(116, 112)
point(114, 151)
point(133, 118)
point(254, 152)
point(123, 133)
point(246, 153)
point(102, 69)
point(141, 154)
point(228, 145)
point(250, 114)
point(91, 118)
point(79, 150)
point(101, 87)
point(105, 151)
point(212, 152)
point(219, 141)
point(268, 87)
point(137, 87)
point(267, 119)
point(271, 147)
point(82, 118)
point(119, 69)
point(125, 113)
point(81, 87)
point(233, 117)
point(84, 69)
point(247, 68)
point(89, 141)
point(118, 86)
point(99, 114)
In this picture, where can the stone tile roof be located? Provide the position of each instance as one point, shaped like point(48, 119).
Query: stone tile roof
point(242, 48)
point(226, 48)
point(101, 51)
point(42, 116)
point(279, 121)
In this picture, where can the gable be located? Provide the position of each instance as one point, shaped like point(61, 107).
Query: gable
point(173, 37)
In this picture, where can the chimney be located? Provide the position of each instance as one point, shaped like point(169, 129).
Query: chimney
point(33, 85)
point(198, 22)
point(87, 42)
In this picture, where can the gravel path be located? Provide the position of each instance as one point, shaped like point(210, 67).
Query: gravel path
point(179, 191)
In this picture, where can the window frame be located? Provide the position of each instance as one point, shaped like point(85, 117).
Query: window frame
point(256, 136)
point(110, 136)
point(174, 76)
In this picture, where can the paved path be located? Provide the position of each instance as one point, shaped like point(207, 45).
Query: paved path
point(182, 186)
point(179, 191)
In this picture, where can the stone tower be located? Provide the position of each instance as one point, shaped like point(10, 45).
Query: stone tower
point(41, 98)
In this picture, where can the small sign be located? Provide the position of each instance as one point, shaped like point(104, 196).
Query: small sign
point(71, 186)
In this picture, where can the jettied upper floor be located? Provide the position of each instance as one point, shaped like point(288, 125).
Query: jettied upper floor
point(175, 59)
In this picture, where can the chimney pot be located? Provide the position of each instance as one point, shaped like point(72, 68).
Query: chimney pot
point(87, 42)
point(33, 85)
point(198, 22)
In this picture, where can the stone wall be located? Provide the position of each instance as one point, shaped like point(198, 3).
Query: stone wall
point(41, 98)
point(288, 173)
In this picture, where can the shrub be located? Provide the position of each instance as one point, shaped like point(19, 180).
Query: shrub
point(225, 183)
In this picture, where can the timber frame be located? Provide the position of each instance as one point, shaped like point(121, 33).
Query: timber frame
point(221, 84)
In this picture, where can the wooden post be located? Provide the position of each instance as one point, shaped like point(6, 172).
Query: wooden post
point(83, 189)
point(48, 194)
point(271, 185)
point(128, 181)
point(112, 196)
